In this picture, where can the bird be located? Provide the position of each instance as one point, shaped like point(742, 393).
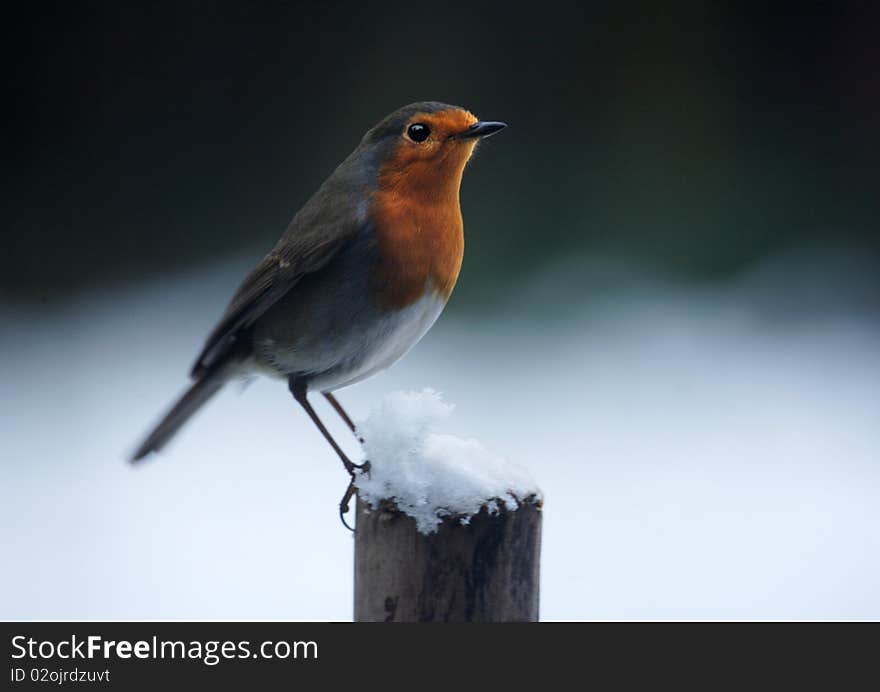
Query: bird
point(361, 273)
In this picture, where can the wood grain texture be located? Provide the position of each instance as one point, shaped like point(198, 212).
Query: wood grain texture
point(484, 571)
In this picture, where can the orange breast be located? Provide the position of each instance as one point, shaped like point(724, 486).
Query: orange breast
point(419, 230)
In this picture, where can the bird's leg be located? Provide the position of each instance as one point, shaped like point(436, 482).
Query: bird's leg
point(298, 389)
point(334, 402)
point(350, 490)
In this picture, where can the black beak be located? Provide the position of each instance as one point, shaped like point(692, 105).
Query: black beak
point(481, 129)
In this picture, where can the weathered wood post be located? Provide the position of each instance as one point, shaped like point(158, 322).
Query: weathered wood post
point(484, 571)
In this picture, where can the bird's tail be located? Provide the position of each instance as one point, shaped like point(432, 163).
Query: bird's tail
point(192, 400)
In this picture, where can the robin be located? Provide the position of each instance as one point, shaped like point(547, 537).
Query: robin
point(359, 276)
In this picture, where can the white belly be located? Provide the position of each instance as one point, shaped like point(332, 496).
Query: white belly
point(383, 343)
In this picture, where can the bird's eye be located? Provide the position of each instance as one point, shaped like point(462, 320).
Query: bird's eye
point(418, 132)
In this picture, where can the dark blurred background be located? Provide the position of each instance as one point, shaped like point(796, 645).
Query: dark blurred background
point(151, 137)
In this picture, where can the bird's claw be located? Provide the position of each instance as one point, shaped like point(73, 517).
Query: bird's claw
point(350, 491)
point(353, 468)
point(343, 504)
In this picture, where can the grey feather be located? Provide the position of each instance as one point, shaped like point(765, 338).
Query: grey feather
point(192, 400)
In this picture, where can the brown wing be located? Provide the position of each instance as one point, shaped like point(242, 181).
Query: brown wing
point(313, 238)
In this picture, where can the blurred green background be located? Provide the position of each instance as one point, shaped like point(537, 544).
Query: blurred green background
point(150, 138)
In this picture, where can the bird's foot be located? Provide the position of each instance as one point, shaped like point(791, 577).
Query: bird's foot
point(350, 490)
point(343, 504)
point(353, 468)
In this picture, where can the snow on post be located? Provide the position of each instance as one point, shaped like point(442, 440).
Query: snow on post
point(446, 530)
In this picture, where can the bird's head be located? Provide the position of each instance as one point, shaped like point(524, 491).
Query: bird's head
point(426, 145)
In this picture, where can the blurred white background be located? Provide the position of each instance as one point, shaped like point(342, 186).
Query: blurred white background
point(705, 452)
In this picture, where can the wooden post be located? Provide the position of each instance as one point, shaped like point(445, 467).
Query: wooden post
point(483, 571)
